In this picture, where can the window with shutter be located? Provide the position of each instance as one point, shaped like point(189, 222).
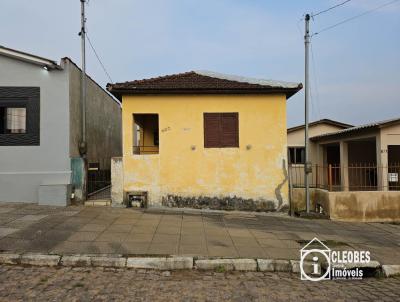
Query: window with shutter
point(221, 130)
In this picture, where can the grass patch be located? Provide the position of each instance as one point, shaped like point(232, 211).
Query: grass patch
point(220, 269)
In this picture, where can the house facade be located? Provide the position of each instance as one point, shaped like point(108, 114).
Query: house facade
point(205, 140)
point(355, 172)
point(40, 111)
point(362, 158)
point(295, 138)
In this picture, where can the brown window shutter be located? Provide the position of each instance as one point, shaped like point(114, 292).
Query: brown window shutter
point(212, 130)
point(230, 130)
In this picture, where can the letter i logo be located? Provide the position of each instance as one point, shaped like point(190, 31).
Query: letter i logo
point(315, 265)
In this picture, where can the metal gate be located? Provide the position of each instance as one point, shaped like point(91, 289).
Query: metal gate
point(99, 180)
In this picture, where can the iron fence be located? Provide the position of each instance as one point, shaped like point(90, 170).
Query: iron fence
point(354, 177)
point(99, 179)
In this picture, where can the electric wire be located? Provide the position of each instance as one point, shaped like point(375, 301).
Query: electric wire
point(98, 58)
point(331, 8)
point(354, 17)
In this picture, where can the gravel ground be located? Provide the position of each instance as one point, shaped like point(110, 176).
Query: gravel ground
point(19, 283)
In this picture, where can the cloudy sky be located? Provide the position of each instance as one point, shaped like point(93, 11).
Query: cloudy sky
point(355, 67)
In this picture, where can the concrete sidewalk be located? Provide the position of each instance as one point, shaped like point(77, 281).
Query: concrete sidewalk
point(106, 230)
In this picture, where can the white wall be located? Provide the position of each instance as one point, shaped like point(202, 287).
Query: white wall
point(24, 168)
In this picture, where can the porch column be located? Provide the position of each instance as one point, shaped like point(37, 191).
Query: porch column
point(344, 166)
point(381, 163)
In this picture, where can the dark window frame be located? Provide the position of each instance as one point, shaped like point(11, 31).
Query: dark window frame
point(293, 160)
point(143, 148)
point(29, 98)
point(223, 138)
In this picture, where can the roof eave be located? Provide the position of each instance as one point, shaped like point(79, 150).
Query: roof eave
point(345, 134)
point(29, 58)
point(119, 92)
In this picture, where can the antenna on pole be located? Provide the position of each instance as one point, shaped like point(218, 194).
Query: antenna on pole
point(307, 164)
point(82, 33)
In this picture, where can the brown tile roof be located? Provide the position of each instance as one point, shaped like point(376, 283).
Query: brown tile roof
point(203, 82)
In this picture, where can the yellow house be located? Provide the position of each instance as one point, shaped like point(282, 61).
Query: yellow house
point(205, 140)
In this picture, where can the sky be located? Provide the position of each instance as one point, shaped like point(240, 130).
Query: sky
point(355, 67)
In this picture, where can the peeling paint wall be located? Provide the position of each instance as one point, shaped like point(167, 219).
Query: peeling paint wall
point(117, 181)
point(365, 206)
point(317, 197)
point(184, 168)
point(379, 206)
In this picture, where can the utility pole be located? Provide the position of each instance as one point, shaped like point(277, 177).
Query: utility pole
point(307, 166)
point(82, 143)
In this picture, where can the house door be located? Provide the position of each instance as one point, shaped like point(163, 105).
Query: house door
point(394, 167)
point(333, 166)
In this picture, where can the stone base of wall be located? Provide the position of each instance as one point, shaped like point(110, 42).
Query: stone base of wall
point(221, 203)
point(55, 195)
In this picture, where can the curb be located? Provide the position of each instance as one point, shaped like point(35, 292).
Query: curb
point(173, 263)
point(391, 270)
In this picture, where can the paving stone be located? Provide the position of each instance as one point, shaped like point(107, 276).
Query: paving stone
point(163, 249)
point(10, 258)
point(391, 270)
point(109, 261)
point(7, 231)
point(282, 266)
point(193, 250)
point(244, 264)
point(214, 264)
point(250, 251)
point(83, 236)
point(134, 248)
point(78, 260)
point(221, 251)
point(91, 227)
point(32, 217)
point(161, 263)
point(266, 265)
point(40, 259)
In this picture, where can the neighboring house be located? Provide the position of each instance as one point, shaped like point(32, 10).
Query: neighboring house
point(295, 137)
point(40, 129)
point(363, 158)
point(358, 169)
point(205, 140)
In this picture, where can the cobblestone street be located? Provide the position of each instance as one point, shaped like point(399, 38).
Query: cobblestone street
point(98, 284)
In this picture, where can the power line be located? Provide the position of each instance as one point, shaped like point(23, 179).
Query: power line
point(98, 58)
point(355, 17)
point(328, 9)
